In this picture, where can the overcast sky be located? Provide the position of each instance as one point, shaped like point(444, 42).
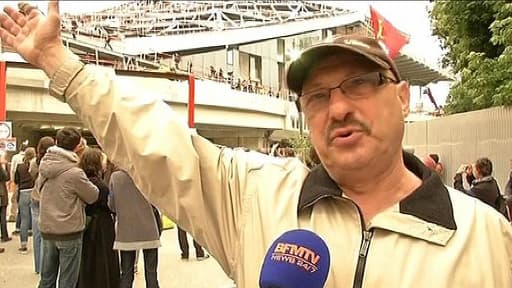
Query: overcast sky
point(408, 16)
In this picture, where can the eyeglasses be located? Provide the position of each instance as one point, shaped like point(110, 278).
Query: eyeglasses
point(357, 87)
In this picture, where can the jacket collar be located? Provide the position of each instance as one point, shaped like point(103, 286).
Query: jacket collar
point(69, 155)
point(483, 179)
point(429, 202)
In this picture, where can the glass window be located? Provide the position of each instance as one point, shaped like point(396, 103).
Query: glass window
point(230, 57)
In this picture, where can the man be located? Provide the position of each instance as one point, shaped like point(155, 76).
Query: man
point(484, 186)
point(183, 242)
point(15, 160)
point(65, 190)
point(388, 220)
point(432, 162)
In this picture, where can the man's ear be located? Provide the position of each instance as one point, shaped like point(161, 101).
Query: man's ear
point(404, 95)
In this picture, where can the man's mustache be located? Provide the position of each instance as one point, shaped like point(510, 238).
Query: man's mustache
point(348, 122)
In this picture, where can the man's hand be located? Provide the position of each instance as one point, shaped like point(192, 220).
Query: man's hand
point(462, 169)
point(34, 36)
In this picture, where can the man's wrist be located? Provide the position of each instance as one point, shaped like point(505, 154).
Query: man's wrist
point(53, 60)
point(63, 76)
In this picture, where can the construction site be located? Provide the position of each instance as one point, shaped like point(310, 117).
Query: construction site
point(234, 49)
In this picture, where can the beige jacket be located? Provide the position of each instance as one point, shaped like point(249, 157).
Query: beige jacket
point(236, 203)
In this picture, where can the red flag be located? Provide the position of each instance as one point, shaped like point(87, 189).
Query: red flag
point(385, 32)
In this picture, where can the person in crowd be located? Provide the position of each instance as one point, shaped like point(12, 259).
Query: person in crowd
point(177, 60)
point(134, 231)
point(438, 168)
point(386, 205)
point(432, 162)
point(189, 66)
point(64, 190)
point(508, 189)
point(100, 263)
point(220, 75)
point(74, 28)
point(15, 160)
point(183, 241)
point(312, 159)
point(484, 186)
point(25, 183)
point(109, 169)
point(4, 198)
point(429, 162)
point(81, 148)
point(42, 146)
point(213, 73)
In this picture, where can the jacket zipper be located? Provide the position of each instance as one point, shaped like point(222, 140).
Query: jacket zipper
point(361, 262)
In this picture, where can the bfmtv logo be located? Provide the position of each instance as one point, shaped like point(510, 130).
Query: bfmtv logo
point(301, 256)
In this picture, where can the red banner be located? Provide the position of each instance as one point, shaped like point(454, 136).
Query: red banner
point(384, 31)
point(3, 90)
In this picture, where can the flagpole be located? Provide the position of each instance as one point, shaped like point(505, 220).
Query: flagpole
point(3, 90)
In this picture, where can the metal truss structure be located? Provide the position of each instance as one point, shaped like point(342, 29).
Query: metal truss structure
point(145, 32)
point(161, 18)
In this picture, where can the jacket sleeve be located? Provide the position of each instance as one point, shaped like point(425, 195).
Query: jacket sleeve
point(111, 201)
point(17, 177)
point(192, 181)
point(508, 187)
point(84, 188)
point(4, 175)
point(33, 169)
point(14, 165)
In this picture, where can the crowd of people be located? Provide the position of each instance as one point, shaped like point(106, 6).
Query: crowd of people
point(476, 180)
point(79, 209)
point(245, 85)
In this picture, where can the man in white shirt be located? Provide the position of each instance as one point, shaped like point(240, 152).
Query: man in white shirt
point(16, 159)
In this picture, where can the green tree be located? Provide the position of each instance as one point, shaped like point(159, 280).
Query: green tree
point(477, 38)
point(301, 145)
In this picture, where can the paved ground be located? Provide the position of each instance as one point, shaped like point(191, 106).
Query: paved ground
point(17, 270)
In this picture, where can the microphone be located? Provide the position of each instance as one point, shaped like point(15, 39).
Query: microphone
point(298, 258)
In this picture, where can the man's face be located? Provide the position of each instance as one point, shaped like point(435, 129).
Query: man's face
point(361, 126)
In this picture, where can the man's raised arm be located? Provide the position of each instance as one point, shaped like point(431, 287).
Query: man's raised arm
point(184, 175)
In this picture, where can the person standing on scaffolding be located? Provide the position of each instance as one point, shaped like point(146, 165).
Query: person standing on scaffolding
point(74, 28)
point(108, 38)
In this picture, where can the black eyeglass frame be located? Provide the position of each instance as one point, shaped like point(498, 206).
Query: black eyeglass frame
point(383, 79)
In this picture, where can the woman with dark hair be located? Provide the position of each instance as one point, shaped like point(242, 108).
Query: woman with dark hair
point(4, 199)
point(100, 263)
point(43, 145)
point(25, 183)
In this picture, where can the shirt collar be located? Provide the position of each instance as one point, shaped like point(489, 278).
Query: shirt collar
point(430, 202)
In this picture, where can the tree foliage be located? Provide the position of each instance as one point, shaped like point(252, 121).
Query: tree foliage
point(302, 146)
point(477, 38)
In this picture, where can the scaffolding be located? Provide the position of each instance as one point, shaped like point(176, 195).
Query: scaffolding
point(161, 18)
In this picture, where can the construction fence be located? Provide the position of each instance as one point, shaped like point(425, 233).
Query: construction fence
point(465, 137)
